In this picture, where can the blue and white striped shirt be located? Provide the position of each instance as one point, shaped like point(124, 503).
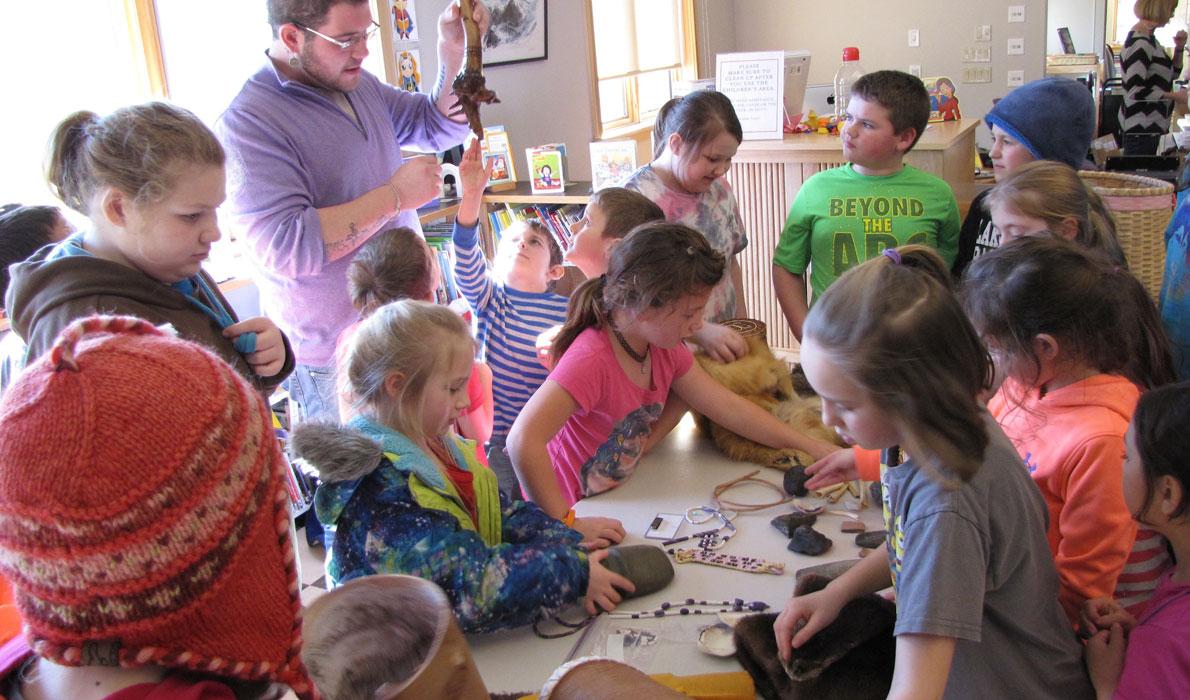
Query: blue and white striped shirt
point(509, 322)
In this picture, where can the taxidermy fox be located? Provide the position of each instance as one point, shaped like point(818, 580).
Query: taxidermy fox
point(765, 381)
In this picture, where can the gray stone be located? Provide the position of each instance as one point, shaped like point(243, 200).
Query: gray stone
point(871, 540)
point(795, 480)
point(646, 566)
point(789, 522)
point(807, 540)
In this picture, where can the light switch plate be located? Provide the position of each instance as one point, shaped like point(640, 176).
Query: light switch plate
point(1016, 46)
point(1016, 13)
point(915, 69)
point(977, 74)
point(1016, 78)
point(914, 38)
point(983, 32)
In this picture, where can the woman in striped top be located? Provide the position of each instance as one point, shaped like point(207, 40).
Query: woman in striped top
point(1149, 72)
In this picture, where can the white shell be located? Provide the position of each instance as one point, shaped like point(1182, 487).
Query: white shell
point(806, 506)
point(717, 640)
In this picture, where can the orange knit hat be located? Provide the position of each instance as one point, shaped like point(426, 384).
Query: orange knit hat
point(143, 513)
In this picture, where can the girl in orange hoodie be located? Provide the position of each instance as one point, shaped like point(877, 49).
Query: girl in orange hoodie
point(1076, 339)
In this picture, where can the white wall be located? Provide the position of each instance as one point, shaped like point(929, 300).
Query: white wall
point(550, 100)
point(1085, 18)
point(540, 102)
point(879, 28)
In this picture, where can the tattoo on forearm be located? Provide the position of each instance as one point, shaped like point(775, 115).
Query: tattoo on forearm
point(346, 243)
point(440, 85)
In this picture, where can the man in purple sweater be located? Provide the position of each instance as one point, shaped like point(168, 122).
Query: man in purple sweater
point(315, 168)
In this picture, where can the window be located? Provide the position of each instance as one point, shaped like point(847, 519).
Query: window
point(196, 55)
point(1120, 19)
point(85, 64)
point(642, 48)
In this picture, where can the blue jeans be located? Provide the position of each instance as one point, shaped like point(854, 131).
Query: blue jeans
point(313, 394)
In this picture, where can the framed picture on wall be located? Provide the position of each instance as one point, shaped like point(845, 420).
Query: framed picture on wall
point(517, 34)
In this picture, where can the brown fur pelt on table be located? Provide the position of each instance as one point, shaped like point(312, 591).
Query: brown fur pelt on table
point(767, 382)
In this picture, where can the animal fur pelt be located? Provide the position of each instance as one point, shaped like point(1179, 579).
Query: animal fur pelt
point(850, 659)
point(767, 382)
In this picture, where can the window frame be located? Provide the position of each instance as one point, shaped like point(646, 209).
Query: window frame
point(636, 121)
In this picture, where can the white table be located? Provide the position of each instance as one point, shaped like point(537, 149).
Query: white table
point(680, 473)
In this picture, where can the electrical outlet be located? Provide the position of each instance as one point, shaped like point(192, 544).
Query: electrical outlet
point(983, 32)
point(1016, 13)
point(1016, 78)
point(915, 69)
point(1016, 46)
point(914, 38)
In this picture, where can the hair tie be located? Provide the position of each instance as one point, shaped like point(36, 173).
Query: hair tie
point(892, 254)
point(62, 354)
point(690, 250)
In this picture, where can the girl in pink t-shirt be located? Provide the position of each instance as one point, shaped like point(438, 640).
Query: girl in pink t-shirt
point(615, 361)
point(1149, 658)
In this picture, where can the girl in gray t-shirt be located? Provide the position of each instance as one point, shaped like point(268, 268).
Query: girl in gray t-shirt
point(896, 363)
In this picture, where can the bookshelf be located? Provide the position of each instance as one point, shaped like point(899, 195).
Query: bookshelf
point(500, 208)
point(578, 192)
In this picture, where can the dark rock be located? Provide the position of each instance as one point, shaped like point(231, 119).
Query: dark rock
point(829, 571)
point(807, 540)
point(795, 481)
point(874, 491)
point(871, 540)
point(789, 522)
point(646, 566)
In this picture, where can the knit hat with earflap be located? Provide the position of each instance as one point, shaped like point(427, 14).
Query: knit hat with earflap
point(143, 512)
point(1053, 117)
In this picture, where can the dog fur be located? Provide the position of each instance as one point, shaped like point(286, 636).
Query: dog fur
point(767, 382)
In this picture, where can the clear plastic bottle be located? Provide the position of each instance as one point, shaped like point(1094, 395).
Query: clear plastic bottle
point(849, 72)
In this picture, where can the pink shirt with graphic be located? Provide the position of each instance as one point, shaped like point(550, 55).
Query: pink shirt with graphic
point(600, 444)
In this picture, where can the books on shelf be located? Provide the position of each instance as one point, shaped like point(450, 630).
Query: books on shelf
point(558, 218)
point(438, 238)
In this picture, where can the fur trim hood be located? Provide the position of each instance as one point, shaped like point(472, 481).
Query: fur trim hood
point(337, 452)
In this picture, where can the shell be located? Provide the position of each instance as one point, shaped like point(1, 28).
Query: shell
point(807, 507)
point(717, 640)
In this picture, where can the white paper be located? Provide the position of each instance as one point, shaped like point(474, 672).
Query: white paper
point(754, 82)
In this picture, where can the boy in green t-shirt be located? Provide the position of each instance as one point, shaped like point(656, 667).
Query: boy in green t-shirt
point(846, 215)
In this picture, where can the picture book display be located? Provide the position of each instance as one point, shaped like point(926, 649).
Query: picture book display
point(545, 168)
point(944, 100)
point(611, 163)
point(497, 151)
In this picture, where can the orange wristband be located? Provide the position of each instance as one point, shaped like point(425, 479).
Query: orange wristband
point(568, 519)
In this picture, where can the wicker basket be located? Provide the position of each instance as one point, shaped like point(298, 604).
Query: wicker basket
point(1142, 207)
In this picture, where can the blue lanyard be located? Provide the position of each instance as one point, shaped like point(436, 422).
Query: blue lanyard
point(245, 343)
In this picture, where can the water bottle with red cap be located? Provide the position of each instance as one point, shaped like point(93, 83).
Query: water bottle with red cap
point(849, 72)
